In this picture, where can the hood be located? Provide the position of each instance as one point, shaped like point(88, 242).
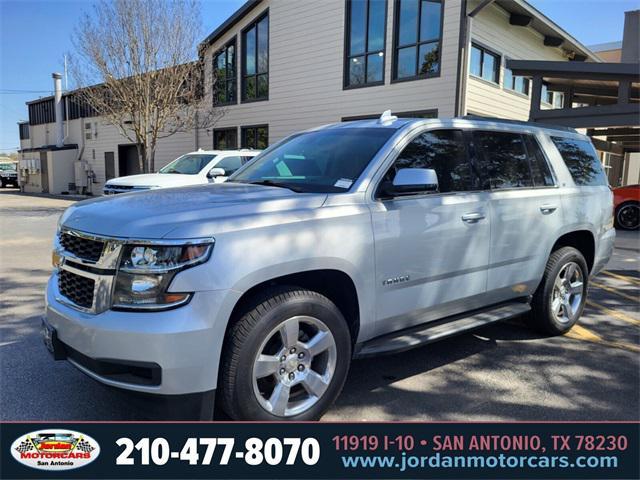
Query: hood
point(155, 180)
point(189, 212)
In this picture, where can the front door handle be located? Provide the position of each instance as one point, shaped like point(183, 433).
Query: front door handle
point(472, 217)
point(548, 208)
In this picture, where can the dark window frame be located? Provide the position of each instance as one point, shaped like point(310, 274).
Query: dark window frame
point(243, 57)
point(233, 79)
point(397, 47)
point(483, 49)
point(243, 135)
point(366, 53)
point(226, 130)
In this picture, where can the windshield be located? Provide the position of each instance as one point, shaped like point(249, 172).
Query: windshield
point(322, 161)
point(190, 164)
point(7, 166)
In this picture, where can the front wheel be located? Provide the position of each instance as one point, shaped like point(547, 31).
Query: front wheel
point(562, 293)
point(628, 216)
point(287, 358)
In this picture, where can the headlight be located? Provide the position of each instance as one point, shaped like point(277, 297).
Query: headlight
point(146, 271)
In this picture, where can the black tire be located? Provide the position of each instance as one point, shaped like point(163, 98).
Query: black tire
point(628, 223)
point(2, 183)
point(541, 316)
point(246, 335)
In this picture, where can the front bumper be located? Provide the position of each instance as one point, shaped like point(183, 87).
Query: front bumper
point(176, 351)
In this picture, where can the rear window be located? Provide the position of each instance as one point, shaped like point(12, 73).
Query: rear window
point(581, 160)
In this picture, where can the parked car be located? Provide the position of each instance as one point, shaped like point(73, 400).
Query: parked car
point(346, 241)
point(626, 201)
point(8, 174)
point(191, 169)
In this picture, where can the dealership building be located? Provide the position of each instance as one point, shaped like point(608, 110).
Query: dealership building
point(282, 67)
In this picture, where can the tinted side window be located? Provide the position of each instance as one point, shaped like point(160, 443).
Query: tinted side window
point(504, 162)
point(443, 151)
point(581, 160)
point(230, 164)
point(540, 170)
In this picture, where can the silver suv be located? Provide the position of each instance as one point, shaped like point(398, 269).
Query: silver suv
point(345, 241)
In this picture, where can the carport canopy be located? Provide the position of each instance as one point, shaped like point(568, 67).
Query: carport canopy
point(604, 98)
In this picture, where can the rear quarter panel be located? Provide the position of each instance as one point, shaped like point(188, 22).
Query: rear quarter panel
point(587, 208)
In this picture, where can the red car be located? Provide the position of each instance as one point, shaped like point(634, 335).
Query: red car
point(626, 201)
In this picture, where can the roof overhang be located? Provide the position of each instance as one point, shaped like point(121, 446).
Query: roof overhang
point(554, 35)
point(229, 23)
point(608, 95)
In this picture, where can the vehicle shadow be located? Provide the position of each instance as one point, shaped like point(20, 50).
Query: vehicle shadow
point(502, 372)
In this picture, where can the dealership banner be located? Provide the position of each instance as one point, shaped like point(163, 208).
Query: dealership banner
point(319, 450)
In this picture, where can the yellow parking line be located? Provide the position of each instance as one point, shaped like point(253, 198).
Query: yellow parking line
point(578, 332)
point(616, 292)
point(613, 313)
point(624, 278)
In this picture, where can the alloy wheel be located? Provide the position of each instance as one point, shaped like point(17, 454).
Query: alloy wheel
point(568, 290)
point(294, 366)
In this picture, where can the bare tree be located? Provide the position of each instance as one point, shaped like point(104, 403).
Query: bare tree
point(134, 65)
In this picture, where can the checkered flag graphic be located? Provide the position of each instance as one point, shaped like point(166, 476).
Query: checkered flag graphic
point(24, 446)
point(84, 446)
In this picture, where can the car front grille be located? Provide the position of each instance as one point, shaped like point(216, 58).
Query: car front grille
point(76, 288)
point(80, 247)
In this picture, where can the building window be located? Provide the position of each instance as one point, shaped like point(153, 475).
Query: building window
point(366, 31)
point(515, 82)
point(484, 64)
point(418, 36)
point(24, 131)
point(558, 100)
point(255, 60)
point(546, 95)
point(225, 138)
point(224, 71)
point(255, 137)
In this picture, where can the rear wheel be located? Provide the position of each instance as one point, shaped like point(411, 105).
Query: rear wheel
point(286, 359)
point(628, 216)
point(560, 298)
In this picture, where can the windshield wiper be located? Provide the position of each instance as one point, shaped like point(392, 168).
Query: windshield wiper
point(271, 183)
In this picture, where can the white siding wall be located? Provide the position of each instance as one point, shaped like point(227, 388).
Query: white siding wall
point(491, 29)
point(306, 58)
point(107, 139)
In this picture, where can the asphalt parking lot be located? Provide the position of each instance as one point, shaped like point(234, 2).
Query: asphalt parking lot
point(503, 372)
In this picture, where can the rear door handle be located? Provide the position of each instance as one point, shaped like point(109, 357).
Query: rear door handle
point(472, 217)
point(548, 208)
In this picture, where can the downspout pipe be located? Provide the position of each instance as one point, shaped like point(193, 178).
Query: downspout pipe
point(57, 89)
point(465, 44)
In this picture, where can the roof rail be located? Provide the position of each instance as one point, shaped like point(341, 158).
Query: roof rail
point(478, 118)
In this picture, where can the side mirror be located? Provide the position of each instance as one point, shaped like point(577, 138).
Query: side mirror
point(216, 172)
point(409, 181)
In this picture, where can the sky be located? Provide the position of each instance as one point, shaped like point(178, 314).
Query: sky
point(36, 34)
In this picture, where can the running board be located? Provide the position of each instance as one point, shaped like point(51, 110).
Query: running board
point(422, 334)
